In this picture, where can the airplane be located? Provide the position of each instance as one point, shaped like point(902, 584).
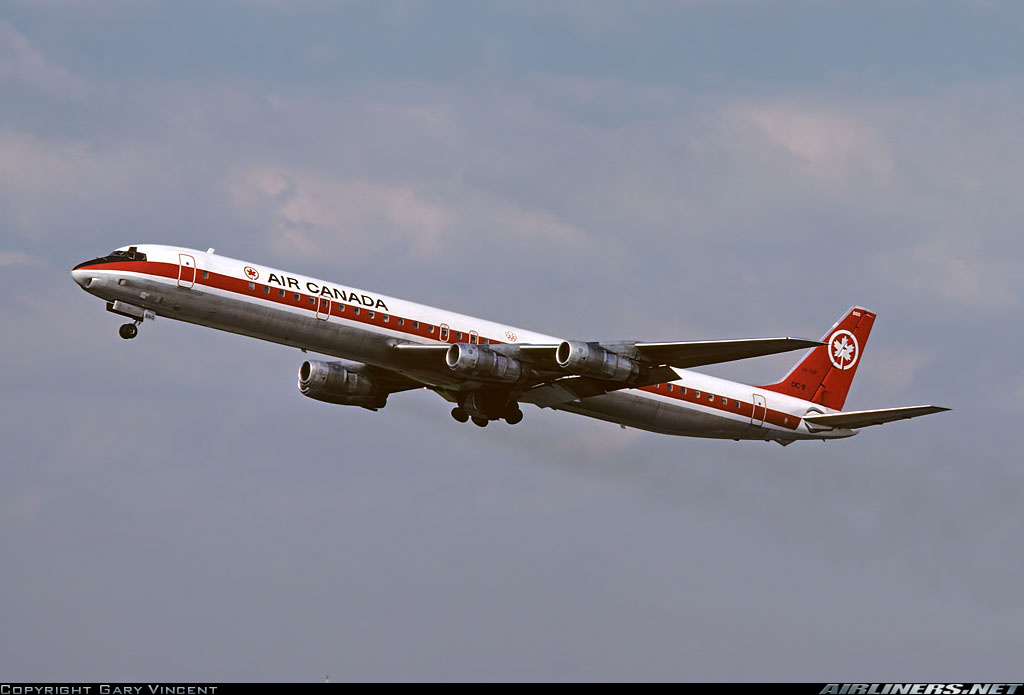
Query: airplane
point(385, 345)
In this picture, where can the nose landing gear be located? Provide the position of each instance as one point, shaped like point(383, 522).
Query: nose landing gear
point(129, 330)
point(136, 314)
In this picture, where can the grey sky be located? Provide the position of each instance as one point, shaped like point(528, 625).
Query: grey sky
point(173, 508)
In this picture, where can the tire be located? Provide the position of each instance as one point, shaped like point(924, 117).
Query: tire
point(514, 418)
point(459, 414)
point(479, 421)
point(128, 331)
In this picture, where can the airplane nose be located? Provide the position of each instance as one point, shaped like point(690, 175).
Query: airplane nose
point(82, 277)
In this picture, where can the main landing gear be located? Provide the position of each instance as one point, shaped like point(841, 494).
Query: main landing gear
point(129, 330)
point(512, 415)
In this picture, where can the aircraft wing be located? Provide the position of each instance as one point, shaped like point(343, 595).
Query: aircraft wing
point(573, 388)
point(700, 352)
point(866, 418)
point(553, 386)
point(682, 354)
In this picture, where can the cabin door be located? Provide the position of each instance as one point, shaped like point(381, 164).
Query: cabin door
point(760, 410)
point(323, 308)
point(186, 271)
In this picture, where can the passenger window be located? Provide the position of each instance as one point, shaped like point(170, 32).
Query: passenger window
point(355, 310)
point(737, 403)
point(386, 318)
point(458, 335)
point(297, 297)
point(416, 325)
point(252, 285)
point(711, 397)
point(401, 322)
point(312, 300)
point(430, 329)
point(670, 388)
point(725, 401)
point(206, 274)
point(266, 289)
point(280, 293)
point(682, 390)
point(696, 394)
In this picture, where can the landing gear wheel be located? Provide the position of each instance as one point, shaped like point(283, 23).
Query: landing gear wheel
point(128, 331)
point(514, 417)
point(479, 421)
point(459, 414)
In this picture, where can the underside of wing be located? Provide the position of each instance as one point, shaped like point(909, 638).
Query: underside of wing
point(549, 375)
point(573, 388)
point(679, 354)
point(424, 356)
point(866, 418)
point(701, 352)
point(393, 381)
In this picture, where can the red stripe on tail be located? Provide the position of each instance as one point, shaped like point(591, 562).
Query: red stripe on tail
point(825, 373)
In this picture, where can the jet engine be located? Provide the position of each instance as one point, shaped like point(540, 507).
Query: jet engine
point(483, 363)
point(589, 359)
point(336, 382)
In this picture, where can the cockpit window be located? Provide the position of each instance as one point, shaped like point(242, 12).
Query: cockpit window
point(132, 254)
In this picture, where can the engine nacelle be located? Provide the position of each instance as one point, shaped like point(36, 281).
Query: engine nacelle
point(334, 382)
point(483, 363)
point(584, 359)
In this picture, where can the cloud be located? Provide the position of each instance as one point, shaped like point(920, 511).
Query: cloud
point(570, 199)
point(314, 213)
point(21, 62)
point(949, 271)
point(51, 181)
point(9, 259)
point(830, 146)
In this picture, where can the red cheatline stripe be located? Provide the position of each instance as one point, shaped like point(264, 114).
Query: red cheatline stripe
point(362, 314)
point(308, 302)
point(714, 400)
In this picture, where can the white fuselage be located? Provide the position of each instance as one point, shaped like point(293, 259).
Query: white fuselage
point(349, 323)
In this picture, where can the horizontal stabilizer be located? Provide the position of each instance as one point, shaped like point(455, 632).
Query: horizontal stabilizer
point(865, 418)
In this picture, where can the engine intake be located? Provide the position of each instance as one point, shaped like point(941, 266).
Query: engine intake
point(482, 362)
point(586, 359)
point(333, 382)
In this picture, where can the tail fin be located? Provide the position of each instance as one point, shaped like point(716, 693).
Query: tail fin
point(825, 373)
